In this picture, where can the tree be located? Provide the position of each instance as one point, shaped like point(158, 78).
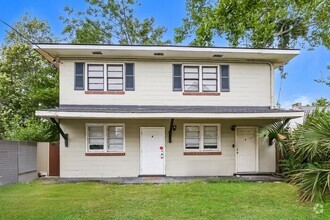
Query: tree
point(324, 79)
point(257, 23)
point(111, 21)
point(27, 83)
point(321, 102)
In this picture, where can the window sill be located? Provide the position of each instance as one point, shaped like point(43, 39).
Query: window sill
point(201, 153)
point(106, 154)
point(106, 92)
point(202, 93)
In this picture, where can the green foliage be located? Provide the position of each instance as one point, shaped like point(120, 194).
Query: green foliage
point(307, 161)
point(312, 139)
point(111, 21)
point(32, 129)
point(321, 102)
point(314, 183)
point(27, 83)
point(279, 23)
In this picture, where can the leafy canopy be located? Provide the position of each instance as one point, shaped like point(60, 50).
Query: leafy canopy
point(257, 23)
point(111, 21)
point(27, 83)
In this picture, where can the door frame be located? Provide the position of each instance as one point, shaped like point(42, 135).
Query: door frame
point(164, 159)
point(256, 147)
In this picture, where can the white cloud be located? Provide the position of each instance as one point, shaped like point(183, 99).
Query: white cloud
point(304, 100)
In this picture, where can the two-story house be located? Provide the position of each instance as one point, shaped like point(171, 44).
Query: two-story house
point(128, 111)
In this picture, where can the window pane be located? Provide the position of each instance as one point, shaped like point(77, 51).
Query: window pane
point(115, 138)
point(192, 143)
point(95, 74)
point(98, 68)
point(209, 76)
point(115, 81)
point(115, 87)
point(115, 74)
point(191, 69)
point(115, 131)
point(96, 143)
point(95, 131)
point(209, 88)
point(209, 69)
point(210, 137)
point(95, 86)
point(192, 137)
point(96, 80)
point(191, 75)
point(115, 68)
point(191, 85)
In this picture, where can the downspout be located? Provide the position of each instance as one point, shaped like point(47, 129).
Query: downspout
point(271, 66)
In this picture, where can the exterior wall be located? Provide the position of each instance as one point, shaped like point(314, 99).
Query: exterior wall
point(249, 86)
point(43, 157)
point(18, 161)
point(74, 163)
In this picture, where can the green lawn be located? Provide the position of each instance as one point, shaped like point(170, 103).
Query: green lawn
point(197, 200)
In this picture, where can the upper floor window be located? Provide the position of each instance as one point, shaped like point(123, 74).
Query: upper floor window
point(210, 78)
point(95, 76)
point(200, 78)
point(191, 79)
point(115, 77)
point(104, 77)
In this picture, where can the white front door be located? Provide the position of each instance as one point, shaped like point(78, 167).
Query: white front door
point(246, 149)
point(152, 151)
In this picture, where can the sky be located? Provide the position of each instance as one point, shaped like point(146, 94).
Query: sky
point(299, 86)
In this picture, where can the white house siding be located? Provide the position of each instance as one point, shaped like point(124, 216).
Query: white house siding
point(74, 163)
point(249, 86)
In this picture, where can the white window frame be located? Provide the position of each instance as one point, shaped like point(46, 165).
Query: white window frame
point(200, 76)
point(105, 75)
point(201, 137)
point(105, 137)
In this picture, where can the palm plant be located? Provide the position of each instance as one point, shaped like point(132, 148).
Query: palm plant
point(277, 133)
point(311, 142)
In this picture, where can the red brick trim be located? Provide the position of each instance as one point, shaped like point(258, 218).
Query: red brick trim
point(106, 92)
point(202, 93)
point(201, 153)
point(106, 154)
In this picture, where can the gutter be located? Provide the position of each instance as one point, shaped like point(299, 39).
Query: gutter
point(271, 66)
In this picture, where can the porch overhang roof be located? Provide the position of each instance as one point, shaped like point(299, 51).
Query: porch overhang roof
point(155, 112)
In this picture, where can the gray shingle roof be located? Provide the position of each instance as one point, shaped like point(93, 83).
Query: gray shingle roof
point(167, 109)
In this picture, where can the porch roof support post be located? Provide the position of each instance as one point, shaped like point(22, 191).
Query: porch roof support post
point(64, 136)
point(170, 131)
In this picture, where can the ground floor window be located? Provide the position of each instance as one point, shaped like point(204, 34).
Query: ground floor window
point(202, 137)
point(105, 137)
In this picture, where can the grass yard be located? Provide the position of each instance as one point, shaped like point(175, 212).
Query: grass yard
point(197, 200)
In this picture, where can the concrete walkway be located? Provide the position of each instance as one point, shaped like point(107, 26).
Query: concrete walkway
point(164, 180)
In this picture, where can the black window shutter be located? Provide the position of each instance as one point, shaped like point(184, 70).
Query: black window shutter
point(224, 78)
point(79, 70)
point(177, 77)
point(129, 77)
